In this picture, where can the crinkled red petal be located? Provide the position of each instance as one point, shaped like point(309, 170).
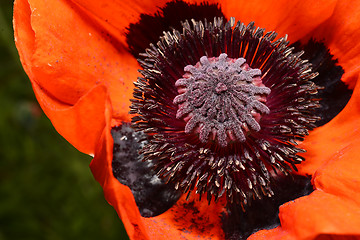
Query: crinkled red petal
point(66, 53)
point(340, 34)
point(294, 18)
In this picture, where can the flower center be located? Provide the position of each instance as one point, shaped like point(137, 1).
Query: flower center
point(223, 107)
point(221, 99)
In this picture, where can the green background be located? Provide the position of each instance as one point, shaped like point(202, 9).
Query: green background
point(46, 188)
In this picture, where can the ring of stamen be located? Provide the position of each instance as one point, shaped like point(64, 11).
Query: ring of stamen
point(171, 105)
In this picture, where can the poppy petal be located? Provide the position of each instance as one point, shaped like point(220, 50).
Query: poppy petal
point(273, 234)
point(295, 18)
point(334, 208)
point(340, 176)
point(341, 33)
point(191, 220)
point(79, 122)
point(319, 214)
point(115, 16)
point(332, 211)
point(66, 53)
point(335, 135)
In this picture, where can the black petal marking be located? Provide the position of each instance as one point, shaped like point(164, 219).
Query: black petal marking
point(335, 94)
point(151, 194)
point(150, 28)
point(264, 214)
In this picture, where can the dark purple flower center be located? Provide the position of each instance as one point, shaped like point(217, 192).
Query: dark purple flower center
point(221, 99)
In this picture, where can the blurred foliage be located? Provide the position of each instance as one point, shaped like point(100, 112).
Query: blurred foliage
point(46, 187)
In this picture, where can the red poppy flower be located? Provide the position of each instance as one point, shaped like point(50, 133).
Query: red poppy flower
point(78, 60)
